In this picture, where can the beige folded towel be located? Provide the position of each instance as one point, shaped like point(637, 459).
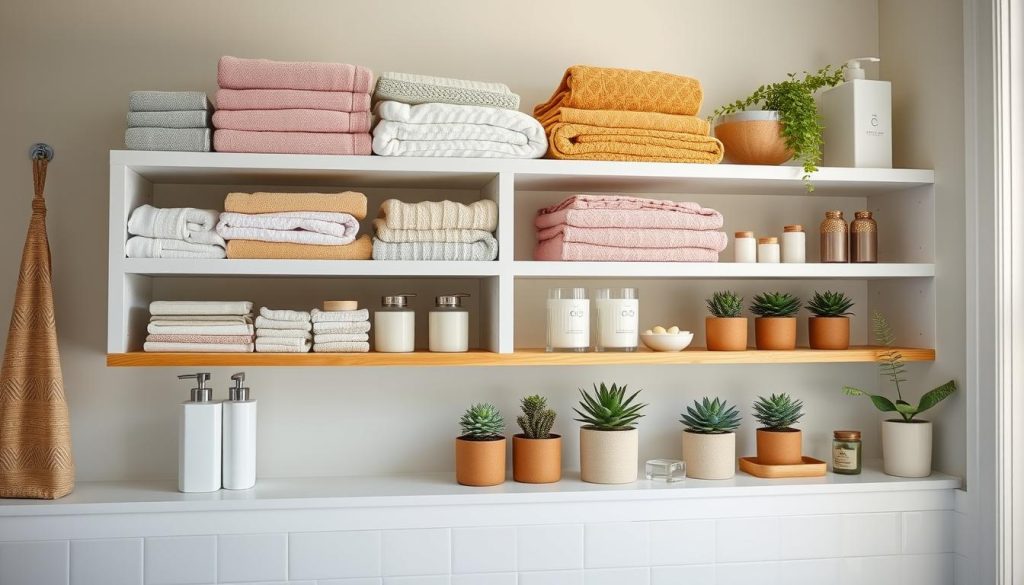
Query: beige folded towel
point(319, 316)
point(386, 234)
point(284, 314)
point(349, 202)
point(264, 323)
point(434, 215)
point(263, 346)
point(361, 249)
point(160, 346)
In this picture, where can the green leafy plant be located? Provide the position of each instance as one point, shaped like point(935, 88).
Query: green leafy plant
point(793, 99)
point(891, 366)
point(482, 422)
point(830, 304)
point(725, 304)
point(537, 419)
point(710, 417)
point(775, 304)
point(608, 409)
point(778, 412)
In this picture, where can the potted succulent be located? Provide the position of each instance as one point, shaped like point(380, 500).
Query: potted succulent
point(775, 325)
point(709, 440)
point(829, 328)
point(536, 452)
point(778, 443)
point(480, 451)
point(609, 441)
point(725, 330)
point(906, 441)
point(786, 123)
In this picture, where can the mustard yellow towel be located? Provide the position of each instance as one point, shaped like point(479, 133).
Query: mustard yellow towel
point(361, 249)
point(603, 88)
point(349, 202)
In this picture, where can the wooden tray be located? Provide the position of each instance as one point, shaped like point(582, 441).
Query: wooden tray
point(811, 467)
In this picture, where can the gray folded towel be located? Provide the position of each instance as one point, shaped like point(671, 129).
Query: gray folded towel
point(168, 101)
point(483, 250)
point(181, 119)
point(179, 139)
point(414, 89)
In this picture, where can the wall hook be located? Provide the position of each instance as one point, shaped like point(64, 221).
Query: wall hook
point(41, 150)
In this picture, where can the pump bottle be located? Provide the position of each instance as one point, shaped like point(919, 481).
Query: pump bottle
point(239, 437)
point(199, 446)
point(857, 116)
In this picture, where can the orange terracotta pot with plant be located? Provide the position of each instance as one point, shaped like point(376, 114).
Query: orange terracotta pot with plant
point(829, 328)
point(778, 443)
point(480, 451)
point(775, 325)
point(725, 329)
point(536, 452)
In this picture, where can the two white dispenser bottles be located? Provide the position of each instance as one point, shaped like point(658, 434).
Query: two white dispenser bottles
point(199, 440)
point(239, 437)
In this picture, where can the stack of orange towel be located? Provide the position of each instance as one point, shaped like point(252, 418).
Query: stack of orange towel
point(599, 113)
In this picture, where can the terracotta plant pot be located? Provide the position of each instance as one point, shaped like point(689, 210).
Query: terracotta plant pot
point(775, 333)
point(783, 447)
point(829, 332)
point(753, 138)
point(480, 463)
point(536, 460)
point(709, 456)
point(725, 333)
point(907, 448)
point(609, 456)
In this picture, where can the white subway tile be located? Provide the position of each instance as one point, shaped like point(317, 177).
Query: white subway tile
point(356, 581)
point(415, 552)
point(617, 544)
point(115, 561)
point(483, 550)
point(181, 560)
point(961, 570)
point(962, 534)
point(748, 574)
point(34, 563)
point(550, 548)
point(928, 569)
point(685, 575)
point(928, 532)
point(870, 570)
point(551, 578)
point(866, 535)
point(418, 580)
point(808, 537)
point(252, 557)
point(682, 542)
point(811, 572)
point(625, 576)
point(485, 579)
point(333, 555)
point(747, 539)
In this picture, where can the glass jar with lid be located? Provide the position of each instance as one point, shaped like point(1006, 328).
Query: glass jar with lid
point(846, 452)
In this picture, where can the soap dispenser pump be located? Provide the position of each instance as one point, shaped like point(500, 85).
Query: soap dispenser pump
point(199, 445)
point(239, 437)
point(857, 116)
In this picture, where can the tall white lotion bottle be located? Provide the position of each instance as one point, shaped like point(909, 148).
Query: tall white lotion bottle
point(239, 437)
point(199, 440)
point(857, 115)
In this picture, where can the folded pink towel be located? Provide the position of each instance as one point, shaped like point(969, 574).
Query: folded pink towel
point(622, 211)
point(235, 73)
point(292, 99)
point(637, 238)
point(585, 201)
point(557, 249)
point(292, 121)
point(291, 142)
point(224, 339)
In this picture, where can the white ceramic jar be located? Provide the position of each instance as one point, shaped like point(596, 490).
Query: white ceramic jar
point(768, 250)
point(794, 245)
point(394, 325)
point(449, 324)
point(745, 248)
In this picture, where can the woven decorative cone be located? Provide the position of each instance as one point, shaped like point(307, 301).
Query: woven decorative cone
point(35, 434)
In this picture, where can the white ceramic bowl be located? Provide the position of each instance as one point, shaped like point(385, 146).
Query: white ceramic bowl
point(667, 341)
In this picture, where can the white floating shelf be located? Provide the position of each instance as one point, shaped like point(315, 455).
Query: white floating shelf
point(313, 268)
point(720, 270)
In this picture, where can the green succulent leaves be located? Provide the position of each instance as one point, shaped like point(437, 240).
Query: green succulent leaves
point(775, 304)
point(710, 417)
point(482, 422)
point(537, 419)
point(724, 304)
point(778, 412)
point(608, 409)
point(830, 304)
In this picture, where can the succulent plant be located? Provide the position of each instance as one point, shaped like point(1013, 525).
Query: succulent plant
point(778, 412)
point(725, 304)
point(537, 419)
point(608, 409)
point(830, 304)
point(482, 422)
point(710, 417)
point(775, 304)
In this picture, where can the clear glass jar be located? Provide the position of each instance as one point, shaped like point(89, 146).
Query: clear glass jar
point(618, 319)
point(568, 319)
point(846, 452)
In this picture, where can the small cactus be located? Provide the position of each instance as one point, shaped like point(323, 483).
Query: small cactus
point(482, 422)
point(537, 419)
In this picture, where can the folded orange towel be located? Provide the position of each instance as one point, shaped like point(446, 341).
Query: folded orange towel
point(349, 202)
point(361, 249)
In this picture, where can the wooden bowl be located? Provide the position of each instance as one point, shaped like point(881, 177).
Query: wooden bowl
point(753, 138)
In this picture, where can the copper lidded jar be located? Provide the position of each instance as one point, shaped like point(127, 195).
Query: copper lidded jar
point(863, 238)
point(835, 239)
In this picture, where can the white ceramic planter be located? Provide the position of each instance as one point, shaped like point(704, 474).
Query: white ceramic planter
point(709, 456)
point(609, 456)
point(907, 448)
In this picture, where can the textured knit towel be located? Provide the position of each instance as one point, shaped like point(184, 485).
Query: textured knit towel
point(173, 139)
point(167, 101)
point(199, 319)
point(361, 249)
point(236, 339)
point(292, 120)
point(160, 346)
point(295, 333)
point(181, 119)
point(291, 142)
point(283, 341)
point(349, 202)
point(240, 308)
point(409, 88)
point(264, 323)
point(556, 249)
point(358, 315)
point(637, 238)
point(179, 223)
point(289, 99)
point(143, 247)
point(265, 346)
point(337, 327)
point(235, 73)
point(484, 250)
point(386, 234)
point(157, 329)
point(296, 227)
point(437, 215)
point(342, 347)
point(628, 212)
point(336, 337)
point(284, 314)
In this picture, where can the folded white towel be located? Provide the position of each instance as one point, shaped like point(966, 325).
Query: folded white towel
point(164, 346)
point(202, 319)
point(284, 314)
point(143, 247)
point(177, 223)
point(164, 322)
point(288, 341)
point(284, 333)
point(237, 329)
point(188, 308)
point(264, 323)
point(296, 227)
point(335, 337)
point(342, 347)
point(437, 215)
point(341, 327)
point(265, 347)
point(319, 316)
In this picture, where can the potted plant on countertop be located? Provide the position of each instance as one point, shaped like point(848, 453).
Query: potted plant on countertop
point(609, 441)
point(725, 329)
point(536, 452)
point(480, 451)
point(709, 440)
point(778, 443)
point(775, 325)
point(906, 441)
point(829, 328)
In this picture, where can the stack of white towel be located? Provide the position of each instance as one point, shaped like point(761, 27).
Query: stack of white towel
point(200, 326)
point(341, 331)
point(436, 230)
point(283, 331)
point(181, 232)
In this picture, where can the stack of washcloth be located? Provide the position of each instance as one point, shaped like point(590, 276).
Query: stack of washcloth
point(292, 108)
point(283, 331)
point(168, 120)
point(437, 116)
point(619, 228)
point(620, 114)
point(436, 230)
point(181, 232)
point(200, 326)
point(341, 331)
point(318, 226)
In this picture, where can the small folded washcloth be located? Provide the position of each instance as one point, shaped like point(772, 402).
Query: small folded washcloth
point(200, 319)
point(143, 247)
point(172, 139)
point(334, 327)
point(360, 249)
point(236, 73)
point(181, 308)
point(264, 323)
point(336, 337)
point(284, 314)
point(292, 99)
point(283, 333)
point(160, 346)
point(409, 88)
point(386, 234)
point(292, 120)
point(180, 223)
point(484, 250)
point(264, 346)
point(434, 215)
point(350, 202)
point(168, 101)
point(200, 338)
point(296, 227)
point(184, 119)
point(359, 143)
point(342, 347)
point(207, 329)
point(284, 341)
point(319, 316)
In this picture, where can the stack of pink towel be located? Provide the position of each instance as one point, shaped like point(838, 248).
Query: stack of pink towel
point(292, 108)
point(619, 228)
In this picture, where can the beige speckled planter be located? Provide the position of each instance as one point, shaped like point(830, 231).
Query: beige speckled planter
point(753, 138)
point(907, 448)
point(709, 456)
point(609, 456)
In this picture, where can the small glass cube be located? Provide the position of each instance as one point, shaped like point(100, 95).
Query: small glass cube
point(667, 470)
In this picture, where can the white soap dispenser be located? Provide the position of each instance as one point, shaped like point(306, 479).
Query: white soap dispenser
point(239, 437)
point(199, 445)
point(857, 116)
